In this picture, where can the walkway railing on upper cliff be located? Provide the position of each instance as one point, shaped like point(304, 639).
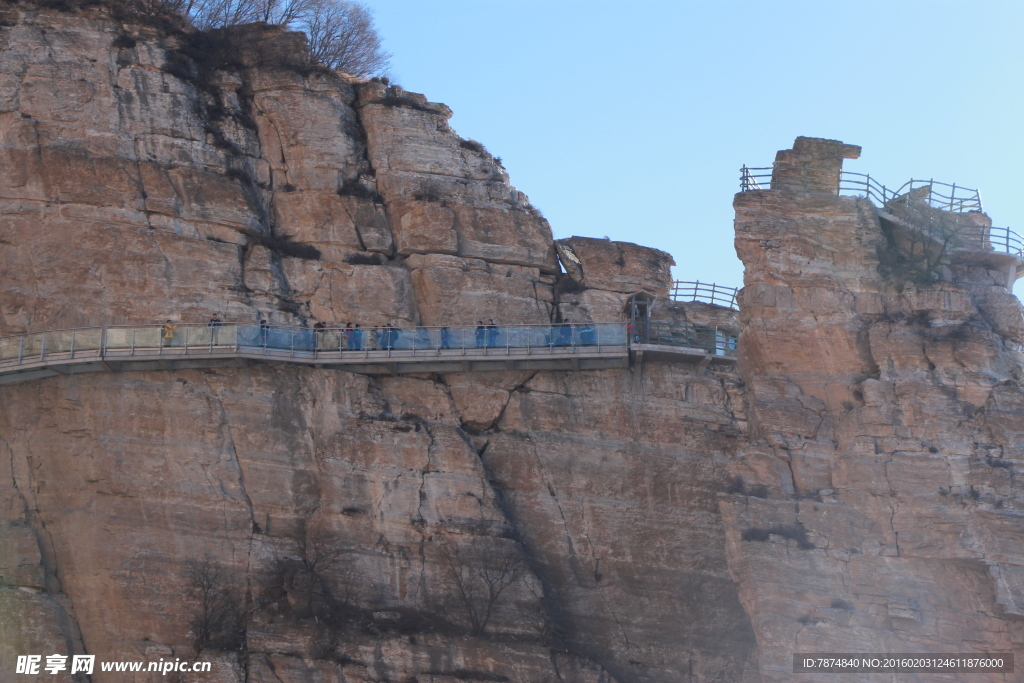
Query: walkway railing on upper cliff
point(705, 292)
point(943, 196)
point(339, 345)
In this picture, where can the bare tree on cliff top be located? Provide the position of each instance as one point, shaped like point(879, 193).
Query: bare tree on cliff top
point(342, 36)
point(340, 32)
point(207, 14)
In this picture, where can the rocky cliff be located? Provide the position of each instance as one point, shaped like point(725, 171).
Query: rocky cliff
point(156, 175)
point(851, 486)
point(881, 509)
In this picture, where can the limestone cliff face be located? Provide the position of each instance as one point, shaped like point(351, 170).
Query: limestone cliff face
point(852, 487)
point(150, 176)
point(882, 506)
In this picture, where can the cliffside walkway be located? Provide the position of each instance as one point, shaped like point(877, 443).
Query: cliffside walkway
point(379, 351)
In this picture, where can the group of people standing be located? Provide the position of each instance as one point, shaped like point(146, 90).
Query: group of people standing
point(354, 338)
point(486, 335)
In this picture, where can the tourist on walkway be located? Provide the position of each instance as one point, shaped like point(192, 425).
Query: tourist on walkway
point(492, 333)
point(168, 336)
point(356, 338)
point(446, 338)
point(562, 334)
point(213, 325)
point(318, 331)
point(345, 338)
point(480, 332)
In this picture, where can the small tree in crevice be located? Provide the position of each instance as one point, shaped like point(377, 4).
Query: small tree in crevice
point(922, 249)
point(216, 617)
point(319, 560)
point(314, 583)
point(478, 578)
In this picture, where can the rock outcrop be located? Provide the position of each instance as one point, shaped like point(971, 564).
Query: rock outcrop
point(879, 506)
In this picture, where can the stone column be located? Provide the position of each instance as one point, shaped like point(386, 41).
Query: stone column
point(812, 166)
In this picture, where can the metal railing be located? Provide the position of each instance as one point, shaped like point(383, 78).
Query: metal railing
point(333, 344)
point(714, 340)
point(938, 195)
point(705, 292)
point(277, 340)
point(943, 196)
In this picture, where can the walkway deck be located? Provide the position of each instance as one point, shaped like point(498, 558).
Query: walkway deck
point(382, 351)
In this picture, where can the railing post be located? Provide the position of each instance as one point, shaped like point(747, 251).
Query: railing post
point(42, 348)
point(291, 343)
point(21, 349)
point(73, 343)
point(103, 341)
point(132, 353)
point(187, 330)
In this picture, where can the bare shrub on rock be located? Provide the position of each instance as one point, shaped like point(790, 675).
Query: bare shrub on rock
point(216, 617)
point(341, 33)
point(478, 576)
point(342, 36)
point(316, 582)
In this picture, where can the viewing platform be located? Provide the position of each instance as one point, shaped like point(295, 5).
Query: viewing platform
point(967, 230)
point(382, 350)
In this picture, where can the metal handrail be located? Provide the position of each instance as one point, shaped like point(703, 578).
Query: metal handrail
point(938, 195)
point(706, 292)
point(292, 341)
point(948, 197)
point(714, 340)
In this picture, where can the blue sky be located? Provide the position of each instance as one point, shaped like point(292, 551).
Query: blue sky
point(631, 119)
